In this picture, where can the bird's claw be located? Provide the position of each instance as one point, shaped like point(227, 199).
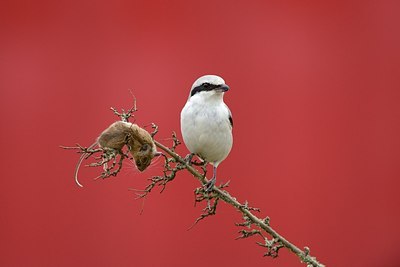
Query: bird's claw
point(188, 158)
point(209, 185)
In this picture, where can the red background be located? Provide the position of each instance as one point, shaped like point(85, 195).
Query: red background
point(315, 99)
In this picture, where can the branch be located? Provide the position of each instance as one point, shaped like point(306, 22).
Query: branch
point(174, 163)
point(273, 245)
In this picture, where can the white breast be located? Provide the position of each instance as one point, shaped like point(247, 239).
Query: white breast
point(206, 129)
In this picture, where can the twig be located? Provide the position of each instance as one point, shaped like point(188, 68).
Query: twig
point(124, 116)
point(209, 210)
point(107, 156)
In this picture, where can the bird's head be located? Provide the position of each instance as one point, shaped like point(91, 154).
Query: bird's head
point(209, 85)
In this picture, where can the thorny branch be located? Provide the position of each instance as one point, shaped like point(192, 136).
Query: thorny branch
point(250, 220)
point(174, 163)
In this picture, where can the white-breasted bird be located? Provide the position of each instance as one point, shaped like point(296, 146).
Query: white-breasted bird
point(206, 122)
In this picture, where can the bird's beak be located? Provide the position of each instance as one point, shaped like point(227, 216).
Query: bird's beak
point(223, 87)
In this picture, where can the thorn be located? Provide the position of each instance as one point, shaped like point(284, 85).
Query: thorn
point(306, 251)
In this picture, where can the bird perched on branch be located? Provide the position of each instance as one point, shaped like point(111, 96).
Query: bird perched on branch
point(206, 122)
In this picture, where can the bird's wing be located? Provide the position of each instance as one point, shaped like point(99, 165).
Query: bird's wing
point(230, 116)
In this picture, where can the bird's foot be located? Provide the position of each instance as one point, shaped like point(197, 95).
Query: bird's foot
point(210, 184)
point(190, 161)
point(188, 158)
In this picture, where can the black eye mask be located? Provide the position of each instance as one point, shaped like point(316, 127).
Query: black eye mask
point(204, 87)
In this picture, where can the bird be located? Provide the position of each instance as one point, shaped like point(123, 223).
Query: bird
point(206, 123)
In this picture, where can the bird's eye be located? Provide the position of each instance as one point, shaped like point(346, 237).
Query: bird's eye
point(206, 85)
